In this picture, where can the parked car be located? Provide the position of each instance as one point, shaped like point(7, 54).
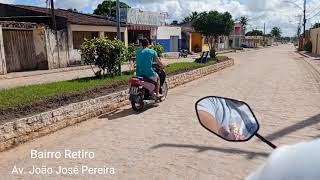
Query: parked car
point(244, 46)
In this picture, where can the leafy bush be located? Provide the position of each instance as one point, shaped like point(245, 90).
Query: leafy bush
point(131, 52)
point(308, 46)
point(131, 56)
point(104, 53)
point(158, 48)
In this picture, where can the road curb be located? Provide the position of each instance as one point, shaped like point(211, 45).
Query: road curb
point(28, 128)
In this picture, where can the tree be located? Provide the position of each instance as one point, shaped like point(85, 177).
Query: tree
point(244, 22)
point(276, 32)
point(108, 8)
point(72, 10)
point(191, 17)
point(254, 33)
point(317, 25)
point(213, 24)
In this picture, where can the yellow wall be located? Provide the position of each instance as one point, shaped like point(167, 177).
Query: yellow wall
point(205, 46)
point(314, 33)
point(196, 39)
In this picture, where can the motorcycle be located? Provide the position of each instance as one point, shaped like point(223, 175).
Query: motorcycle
point(229, 119)
point(183, 53)
point(142, 90)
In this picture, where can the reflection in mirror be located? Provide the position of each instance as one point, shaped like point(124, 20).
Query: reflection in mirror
point(230, 119)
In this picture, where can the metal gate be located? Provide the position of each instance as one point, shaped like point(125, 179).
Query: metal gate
point(19, 50)
point(174, 43)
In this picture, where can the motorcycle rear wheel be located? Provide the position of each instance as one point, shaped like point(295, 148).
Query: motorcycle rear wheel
point(164, 91)
point(137, 106)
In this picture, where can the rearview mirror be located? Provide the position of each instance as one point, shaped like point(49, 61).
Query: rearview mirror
point(229, 119)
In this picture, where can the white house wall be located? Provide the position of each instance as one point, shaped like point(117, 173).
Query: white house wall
point(74, 54)
point(58, 56)
point(164, 33)
point(3, 69)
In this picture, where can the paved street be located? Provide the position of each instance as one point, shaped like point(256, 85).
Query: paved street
point(166, 142)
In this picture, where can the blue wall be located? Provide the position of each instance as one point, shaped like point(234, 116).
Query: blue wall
point(166, 44)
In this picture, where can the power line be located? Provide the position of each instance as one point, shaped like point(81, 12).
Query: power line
point(315, 9)
point(314, 15)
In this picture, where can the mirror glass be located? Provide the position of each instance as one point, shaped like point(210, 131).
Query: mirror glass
point(229, 119)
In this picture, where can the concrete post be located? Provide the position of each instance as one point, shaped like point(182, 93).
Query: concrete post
point(190, 42)
point(101, 34)
point(126, 38)
point(3, 68)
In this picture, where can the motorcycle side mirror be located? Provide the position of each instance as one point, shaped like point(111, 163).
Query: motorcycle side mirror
point(229, 119)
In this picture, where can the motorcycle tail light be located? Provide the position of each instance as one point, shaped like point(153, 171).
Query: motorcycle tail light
point(134, 81)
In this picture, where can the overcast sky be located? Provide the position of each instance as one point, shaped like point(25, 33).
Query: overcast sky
point(272, 12)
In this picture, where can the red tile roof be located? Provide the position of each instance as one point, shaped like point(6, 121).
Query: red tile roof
point(74, 17)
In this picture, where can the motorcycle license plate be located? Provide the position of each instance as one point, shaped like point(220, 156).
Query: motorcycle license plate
point(134, 90)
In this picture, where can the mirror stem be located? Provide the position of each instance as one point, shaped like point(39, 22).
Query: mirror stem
point(266, 141)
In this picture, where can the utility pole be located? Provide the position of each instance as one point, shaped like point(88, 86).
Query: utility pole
point(54, 24)
point(53, 16)
point(264, 34)
point(118, 28)
point(304, 18)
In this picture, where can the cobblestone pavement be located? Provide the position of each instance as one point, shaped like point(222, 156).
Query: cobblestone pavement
point(166, 142)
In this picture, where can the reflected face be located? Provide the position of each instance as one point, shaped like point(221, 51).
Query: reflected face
point(230, 119)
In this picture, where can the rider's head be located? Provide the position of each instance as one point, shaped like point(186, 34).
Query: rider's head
point(145, 43)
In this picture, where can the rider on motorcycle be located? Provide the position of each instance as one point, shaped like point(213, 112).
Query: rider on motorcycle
point(145, 58)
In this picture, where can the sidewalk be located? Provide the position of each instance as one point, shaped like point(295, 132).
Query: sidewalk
point(310, 55)
point(313, 59)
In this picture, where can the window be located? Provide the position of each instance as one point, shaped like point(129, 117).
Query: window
point(237, 30)
point(113, 35)
point(80, 36)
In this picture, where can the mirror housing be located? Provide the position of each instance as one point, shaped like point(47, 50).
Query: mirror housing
point(229, 119)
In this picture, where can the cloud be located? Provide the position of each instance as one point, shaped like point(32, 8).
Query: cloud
point(272, 12)
point(7, 1)
point(78, 4)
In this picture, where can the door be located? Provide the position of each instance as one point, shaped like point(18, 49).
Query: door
point(174, 43)
point(19, 50)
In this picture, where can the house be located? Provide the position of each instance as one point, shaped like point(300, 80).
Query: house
point(30, 27)
point(141, 24)
point(236, 36)
point(190, 39)
point(269, 40)
point(315, 40)
point(169, 37)
point(252, 41)
point(196, 42)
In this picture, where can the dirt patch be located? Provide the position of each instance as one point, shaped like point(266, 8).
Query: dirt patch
point(37, 107)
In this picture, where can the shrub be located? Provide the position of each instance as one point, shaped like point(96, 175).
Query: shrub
point(104, 53)
point(308, 46)
point(131, 56)
point(158, 48)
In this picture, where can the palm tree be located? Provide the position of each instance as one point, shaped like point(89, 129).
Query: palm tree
point(244, 22)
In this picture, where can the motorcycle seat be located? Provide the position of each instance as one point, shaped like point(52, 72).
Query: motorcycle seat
point(145, 79)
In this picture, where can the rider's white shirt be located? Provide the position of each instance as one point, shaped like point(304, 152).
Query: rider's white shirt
point(296, 162)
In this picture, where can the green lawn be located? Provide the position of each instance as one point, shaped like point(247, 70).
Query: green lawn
point(26, 95)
